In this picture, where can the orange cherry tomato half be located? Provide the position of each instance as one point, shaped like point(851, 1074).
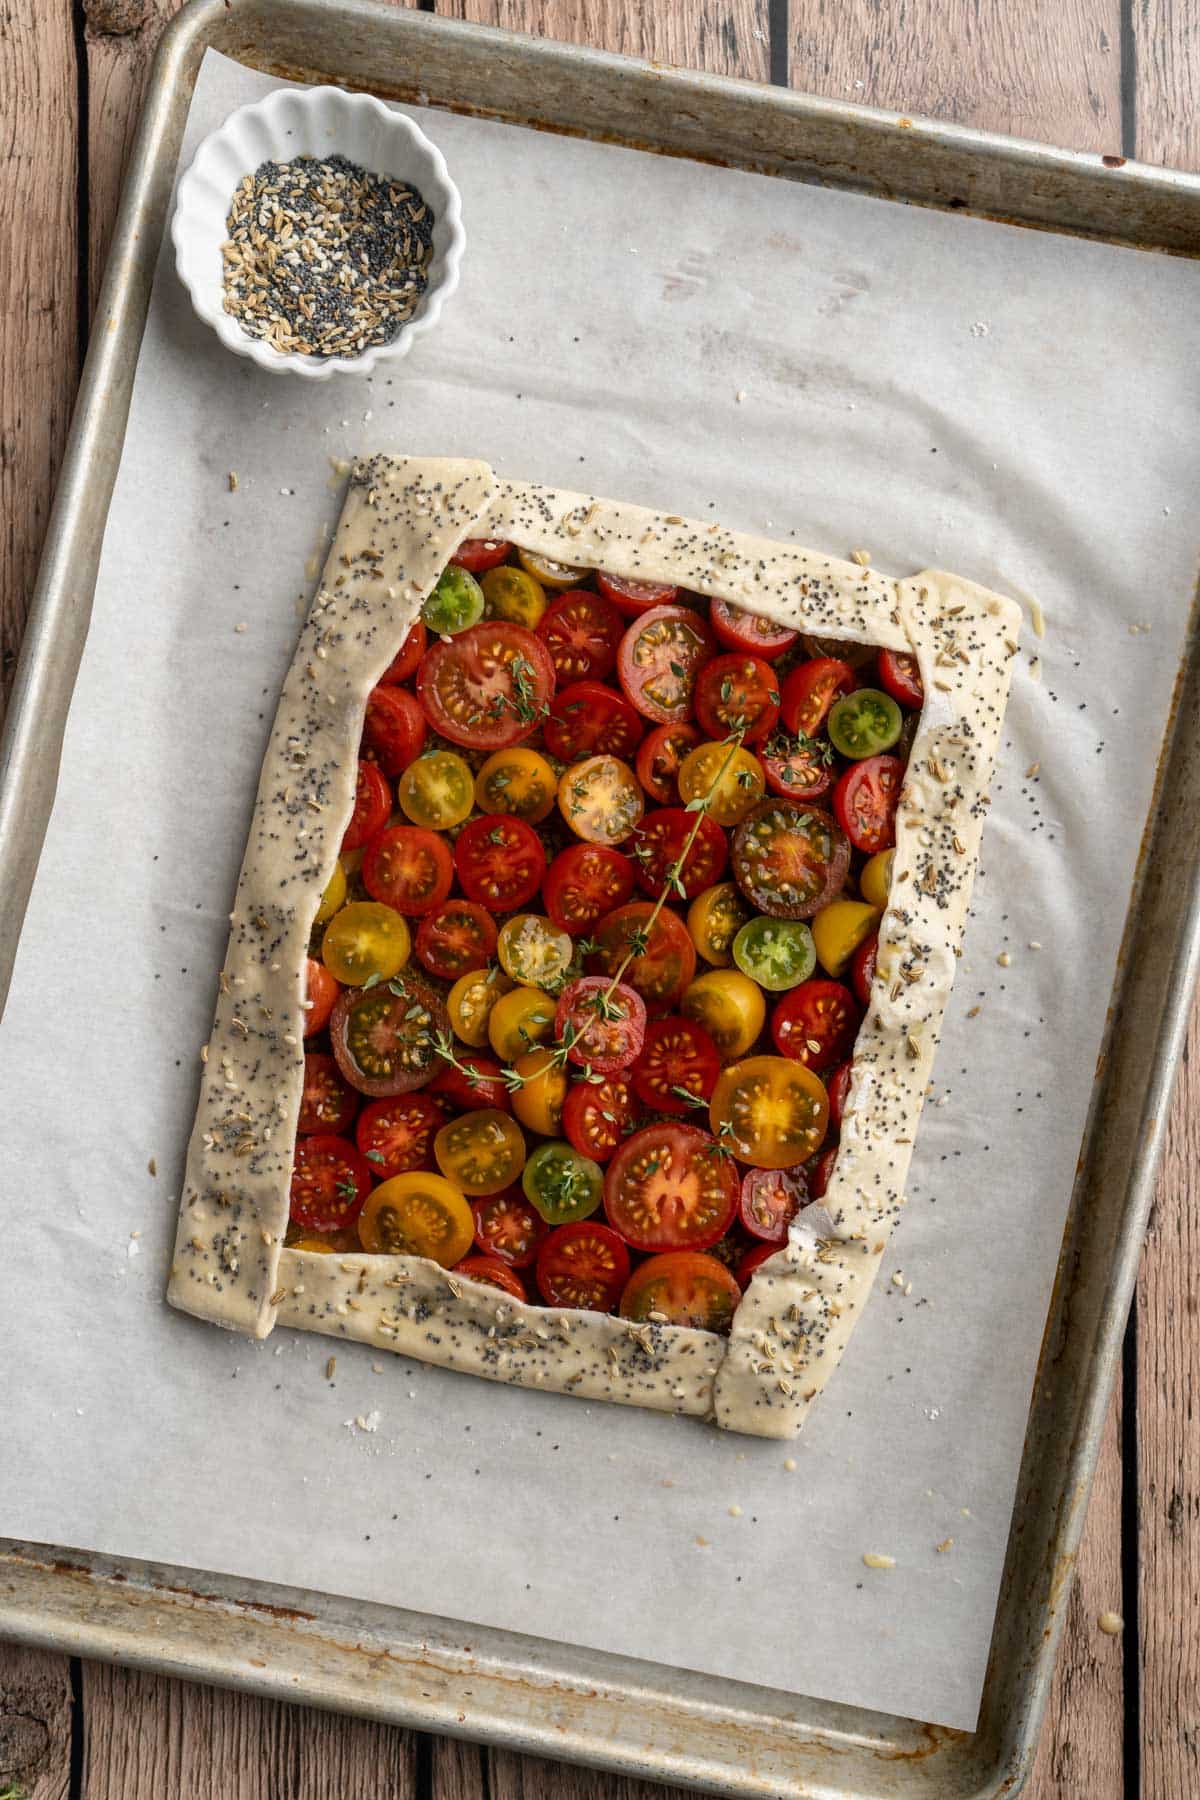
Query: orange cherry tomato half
point(769, 1111)
point(683, 1287)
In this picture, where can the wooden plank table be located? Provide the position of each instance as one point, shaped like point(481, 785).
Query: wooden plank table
point(1104, 75)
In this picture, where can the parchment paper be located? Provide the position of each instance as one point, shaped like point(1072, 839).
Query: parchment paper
point(1015, 406)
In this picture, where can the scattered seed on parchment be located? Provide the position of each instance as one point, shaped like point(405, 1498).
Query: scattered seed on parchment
point(330, 1366)
point(946, 1544)
point(874, 1560)
point(152, 1167)
point(1004, 959)
point(233, 481)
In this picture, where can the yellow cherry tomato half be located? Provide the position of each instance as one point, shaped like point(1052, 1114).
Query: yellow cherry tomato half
point(519, 1022)
point(334, 897)
point(480, 1152)
point(730, 1007)
point(316, 1246)
point(365, 939)
point(417, 1214)
point(538, 1102)
point(714, 919)
point(534, 951)
point(517, 781)
point(437, 791)
point(770, 1111)
point(875, 882)
point(470, 1003)
point(514, 595)
point(551, 574)
point(838, 930)
point(601, 800)
point(730, 779)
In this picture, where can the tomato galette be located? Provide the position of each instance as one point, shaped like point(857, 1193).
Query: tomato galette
point(600, 908)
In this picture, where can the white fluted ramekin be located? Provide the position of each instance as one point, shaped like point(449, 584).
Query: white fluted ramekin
point(319, 121)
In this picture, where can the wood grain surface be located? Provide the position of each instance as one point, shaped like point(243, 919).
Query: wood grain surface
point(1109, 75)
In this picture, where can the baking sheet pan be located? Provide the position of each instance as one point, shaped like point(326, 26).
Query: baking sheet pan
point(1181, 845)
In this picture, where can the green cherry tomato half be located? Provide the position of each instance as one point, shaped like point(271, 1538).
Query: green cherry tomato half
point(455, 604)
point(561, 1185)
point(864, 723)
point(777, 953)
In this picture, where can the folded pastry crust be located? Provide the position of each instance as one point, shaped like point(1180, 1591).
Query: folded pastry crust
point(402, 520)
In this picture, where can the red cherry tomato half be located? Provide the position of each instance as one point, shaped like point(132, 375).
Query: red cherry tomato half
point(670, 1187)
point(500, 862)
point(582, 631)
point(865, 801)
point(677, 1054)
point(408, 661)
point(583, 883)
point(862, 967)
point(816, 1023)
point(488, 687)
point(409, 868)
point(603, 1025)
point(330, 1181)
point(595, 1114)
point(320, 993)
point(820, 1172)
point(328, 1103)
point(811, 689)
point(660, 839)
point(770, 1200)
point(900, 676)
point(685, 1287)
point(749, 632)
point(483, 1085)
point(658, 759)
point(661, 971)
point(799, 768)
point(478, 554)
point(583, 1265)
point(383, 1037)
point(372, 806)
point(492, 1273)
point(737, 693)
point(590, 719)
point(837, 1087)
point(397, 1134)
point(454, 938)
point(660, 657)
point(394, 728)
point(507, 1227)
point(634, 597)
point(754, 1259)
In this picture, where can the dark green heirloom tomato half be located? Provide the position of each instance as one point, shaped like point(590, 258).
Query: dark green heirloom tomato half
point(562, 1185)
point(455, 603)
point(864, 723)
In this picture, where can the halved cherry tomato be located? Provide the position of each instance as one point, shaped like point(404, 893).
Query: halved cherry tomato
point(660, 657)
point(789, 860)
point(394, 728)
point(500, 862)
point(478, 554)
point(875, 880)
point(816, 1023)
point(417, 1214)
point(537, 1101)
point(837, 932)
point(455, 604)
point(778, 953)
point(820, 1172)
point(409, 868)
point(491, 1272)
point(635, 597)
point(769, 1111)
point(678, 1065)
point(581, 630)
point(660, 757)
point(900, 676)
point(662, 969)
point(865, 802)
point(561, 1184)
point(534, 952)
point(798, 768)
point(770, 1200)
point(549, 571)
point(727, 778)
point(366, 941)
point(684, 1287)
point(590, 719)
point(472, 1000)
point(397, 1134)
point(321, 990)
point(409, 658)
point(519, 1022)
point(809, 691)
point(454, 937)
point(507, 1227)
point(602, 1025)
point(372, 804)
point(749, 632)
point(583, 1265)
point(584, 882)
point(754, 1259)
point(737, 693)
point(863, 723)
point(437, 790)
point(481, 1152)
point(715, 919)
point(660, 844)
point(477, 1081)
point(862, 968)
point(840, 649)
point(327, 1104)
point(600, 799)
point(517, 781)
point(334, 896)
point(729, 1006)
point(488, 687)
point(670, 1187)
point(383, 1037)
point(513, 594)
point(837, 1086)
point(330, 1181)
point(595, 1114)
